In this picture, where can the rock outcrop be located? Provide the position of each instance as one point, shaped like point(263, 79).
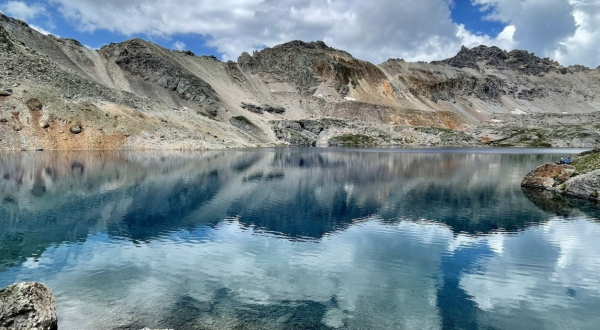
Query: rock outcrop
point(521, 60)
point(584, 186)
point(580, 180)
point(547, 176)
point(27, 306)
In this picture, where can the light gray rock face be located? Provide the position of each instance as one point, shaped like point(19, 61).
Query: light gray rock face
point(584, 186)
point(27, 306)
point(144, 60)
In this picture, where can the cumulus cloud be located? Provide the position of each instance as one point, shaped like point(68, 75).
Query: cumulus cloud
point(42, 30)
point(567, 30)
point(412, 30)
point(21, 10)
point(583, 46)
point(179, 45)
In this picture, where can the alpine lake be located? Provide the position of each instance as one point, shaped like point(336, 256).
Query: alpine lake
point(300, 238)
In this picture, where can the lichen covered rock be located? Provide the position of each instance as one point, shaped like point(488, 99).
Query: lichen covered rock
point(547, 176)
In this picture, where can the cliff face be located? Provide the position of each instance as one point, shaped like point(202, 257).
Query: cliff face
point(139, 95)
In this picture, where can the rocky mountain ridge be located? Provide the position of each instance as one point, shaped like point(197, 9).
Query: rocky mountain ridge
point(138, 95)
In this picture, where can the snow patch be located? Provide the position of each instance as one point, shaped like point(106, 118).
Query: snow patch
point(347, 98)
point(496, 120)
point(518, 112)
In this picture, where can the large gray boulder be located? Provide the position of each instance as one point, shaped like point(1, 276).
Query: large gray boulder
point(584, 186)
point(27, 306)
point(547, 176)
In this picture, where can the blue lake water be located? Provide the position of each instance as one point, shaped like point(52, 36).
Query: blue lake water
point(315, 238)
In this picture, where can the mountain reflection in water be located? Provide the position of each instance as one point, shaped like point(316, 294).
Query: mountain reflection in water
point(299, 238)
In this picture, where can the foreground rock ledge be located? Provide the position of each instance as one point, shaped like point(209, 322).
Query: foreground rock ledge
point(28, 306)
point(564, 179)
point(547, 176)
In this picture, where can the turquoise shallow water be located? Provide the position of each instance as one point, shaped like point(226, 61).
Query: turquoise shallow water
point(300, 238)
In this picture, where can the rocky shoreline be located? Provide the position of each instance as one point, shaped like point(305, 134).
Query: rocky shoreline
point(581, 179)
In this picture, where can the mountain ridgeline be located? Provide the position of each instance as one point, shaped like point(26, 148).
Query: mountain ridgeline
point(56, 93)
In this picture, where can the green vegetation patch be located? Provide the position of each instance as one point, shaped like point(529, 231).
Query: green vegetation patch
point(244, 120)
point(523, 137)
point(587, 161)
point(354, 139)
point(206, 115)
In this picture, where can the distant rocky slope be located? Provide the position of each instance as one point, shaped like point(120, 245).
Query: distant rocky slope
point(57, 94)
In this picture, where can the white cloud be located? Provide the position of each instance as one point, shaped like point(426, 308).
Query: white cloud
point(567, 30)
point(374, 31)
point(42, 31)
point(584, 46)
point(179, 45)
point(21, 10)
point(412, 30)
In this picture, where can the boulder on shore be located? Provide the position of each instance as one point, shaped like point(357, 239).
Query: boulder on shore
point(28, 306)
point(584, 186)
point(547, 176)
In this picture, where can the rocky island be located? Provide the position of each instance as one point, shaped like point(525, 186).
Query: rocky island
point(56, 93)
point(581, 179)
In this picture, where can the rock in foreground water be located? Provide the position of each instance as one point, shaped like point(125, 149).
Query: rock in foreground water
point(28, 306)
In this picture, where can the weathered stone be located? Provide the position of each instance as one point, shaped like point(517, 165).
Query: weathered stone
point(76, 129)
point(5, 93)
point(44, 124)
point(547, 176)
point(34, 105)
point(584, 186)
point(262, 109)
point(26, 306)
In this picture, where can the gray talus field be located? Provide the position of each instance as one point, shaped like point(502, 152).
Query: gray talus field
point(57, 94)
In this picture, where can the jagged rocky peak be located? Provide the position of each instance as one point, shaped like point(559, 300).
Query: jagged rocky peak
point(306, 65)
point(521, 60)
point(299, 43)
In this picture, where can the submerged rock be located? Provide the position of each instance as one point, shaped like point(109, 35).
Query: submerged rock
point(547, 176)
point(26, 306)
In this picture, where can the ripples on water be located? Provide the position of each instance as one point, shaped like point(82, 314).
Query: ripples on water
point(300, 238)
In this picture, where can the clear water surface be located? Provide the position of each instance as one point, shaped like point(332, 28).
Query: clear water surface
point(300, 238)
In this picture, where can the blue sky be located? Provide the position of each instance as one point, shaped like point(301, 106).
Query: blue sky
point(414, 30)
